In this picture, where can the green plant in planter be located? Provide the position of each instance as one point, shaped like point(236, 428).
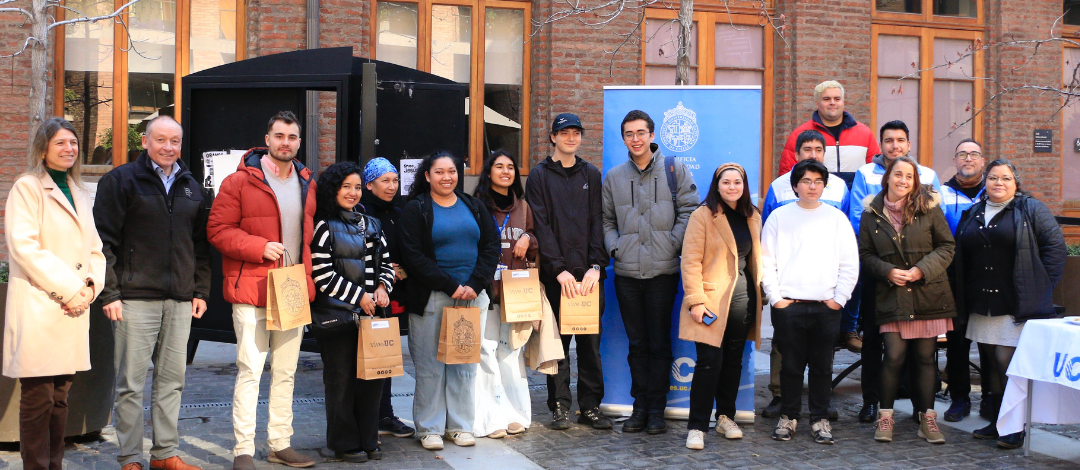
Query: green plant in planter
point(3, 272)
point(1074, 250)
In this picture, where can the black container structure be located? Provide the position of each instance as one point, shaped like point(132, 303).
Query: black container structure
point(382, 109)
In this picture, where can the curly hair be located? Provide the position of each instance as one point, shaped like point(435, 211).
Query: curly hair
point(420, 184)
point(330, 181)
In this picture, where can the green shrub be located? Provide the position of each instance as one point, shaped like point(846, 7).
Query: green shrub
point(1074, 250)
point(3, 271)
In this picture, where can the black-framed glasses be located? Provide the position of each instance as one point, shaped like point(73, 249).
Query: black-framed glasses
point(969, 156)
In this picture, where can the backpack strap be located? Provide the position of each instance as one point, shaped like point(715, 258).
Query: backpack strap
point(672, 181)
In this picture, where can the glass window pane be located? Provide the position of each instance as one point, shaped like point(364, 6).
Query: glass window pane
point(451, 42)
point(952, 106)
point(950, 50)
point(213, 33)
point(900, 102)
point(664, 75)
point(966, 8)
point(88, 81)
point(900, 6)
point(737, 77)
point(739, 46)
point(151, 66)
point(504, 55)
point(662, 42)
point(1071, 58)
point(396, 36)
point(1072, 12)
point(897, 56)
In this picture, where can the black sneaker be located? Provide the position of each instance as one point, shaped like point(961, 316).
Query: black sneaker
point(868, 413)
point(960, 408)
point(560, 418)
point(657, 424)
point(394, 426)
point(374, 454)
point(352, 456)
point(833, 414)
point(595, 418)
point(1011, 441)
point(988, 432)
point(636, 422)
point(773, 410)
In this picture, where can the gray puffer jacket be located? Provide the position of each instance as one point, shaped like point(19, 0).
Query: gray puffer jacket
point(642, 229)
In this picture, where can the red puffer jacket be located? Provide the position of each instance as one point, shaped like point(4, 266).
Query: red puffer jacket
point(244, 217)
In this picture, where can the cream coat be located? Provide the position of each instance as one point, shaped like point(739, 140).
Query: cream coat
point(54, 249)
point(710, 262)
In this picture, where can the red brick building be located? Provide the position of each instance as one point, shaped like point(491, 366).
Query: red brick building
point(520, 78)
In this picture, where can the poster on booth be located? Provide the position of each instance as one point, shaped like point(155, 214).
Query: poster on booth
point(703, 127)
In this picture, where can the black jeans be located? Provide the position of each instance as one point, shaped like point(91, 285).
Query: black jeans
point(957, 356)
point(386, 408)
point(718, 371)
point(646, 306)
point(807, 331)
point(352, 404)
point(872, 348)
point(590, 373)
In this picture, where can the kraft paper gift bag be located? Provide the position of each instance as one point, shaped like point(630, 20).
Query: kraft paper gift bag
point(580, 315)
point(378, 355)
point(520, 296)
point(459, 336)
point(287, 304)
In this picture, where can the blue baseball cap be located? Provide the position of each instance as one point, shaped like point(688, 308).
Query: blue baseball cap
point(565, 120)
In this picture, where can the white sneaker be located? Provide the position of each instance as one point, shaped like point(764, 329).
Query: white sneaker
point(728, 428)
point(695, 440)
point(432, 442)
point(461, 439)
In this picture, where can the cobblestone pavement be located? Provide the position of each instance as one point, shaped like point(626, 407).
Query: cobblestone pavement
point(207, 439)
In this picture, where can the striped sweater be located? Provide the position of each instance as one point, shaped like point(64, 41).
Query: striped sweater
point(335, 285)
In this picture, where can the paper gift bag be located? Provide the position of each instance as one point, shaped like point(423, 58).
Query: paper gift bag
point(520, 297)
point(459, 336)
point(378, 354)
point(287, 304)
point(580, 315)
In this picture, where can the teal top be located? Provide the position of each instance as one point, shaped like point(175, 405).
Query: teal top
point(60, 177)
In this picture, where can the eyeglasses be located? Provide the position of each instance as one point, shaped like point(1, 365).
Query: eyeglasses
point(969, 156)
point(641, 135)
point(809, 182)
point(1003, 179)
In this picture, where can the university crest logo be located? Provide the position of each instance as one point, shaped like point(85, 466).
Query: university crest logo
point(679, 132)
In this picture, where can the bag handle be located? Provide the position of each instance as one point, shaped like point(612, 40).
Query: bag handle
point(284, 260)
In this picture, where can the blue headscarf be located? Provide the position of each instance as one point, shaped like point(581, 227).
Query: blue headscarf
point(376, 168)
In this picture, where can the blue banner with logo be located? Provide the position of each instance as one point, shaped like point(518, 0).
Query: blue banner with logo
point(704, 127)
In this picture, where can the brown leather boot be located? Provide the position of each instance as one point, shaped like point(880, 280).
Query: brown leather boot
point(171, 463)
point(289, 456)
point(132, 466)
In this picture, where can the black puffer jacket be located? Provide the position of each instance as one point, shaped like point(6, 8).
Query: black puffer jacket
point(350, 248)
point(1039, 258)
point(418, 251)
point(154, 243)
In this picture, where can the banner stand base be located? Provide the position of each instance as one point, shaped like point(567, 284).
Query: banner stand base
point(623, 411)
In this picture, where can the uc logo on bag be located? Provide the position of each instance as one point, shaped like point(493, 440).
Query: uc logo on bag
point(677, 369)
point(463, 336)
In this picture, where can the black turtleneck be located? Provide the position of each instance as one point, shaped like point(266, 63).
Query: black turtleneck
point(501, 201)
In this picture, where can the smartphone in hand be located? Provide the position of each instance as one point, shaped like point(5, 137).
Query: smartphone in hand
point(708, 318)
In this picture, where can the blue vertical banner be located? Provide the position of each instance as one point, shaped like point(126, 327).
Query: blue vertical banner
point(703, 127)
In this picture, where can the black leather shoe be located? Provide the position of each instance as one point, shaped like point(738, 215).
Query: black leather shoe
point(1011, 441)
point(773, 409)
point(595, 418)
point(636, 422)
point(960, 408)
point(374, 454)
point(657, 424)
point(352, 456)
point(868, 413)
point(560, 418)
point(989, 432)
point(833, 414)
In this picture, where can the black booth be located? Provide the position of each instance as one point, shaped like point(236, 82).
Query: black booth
point(382, 109)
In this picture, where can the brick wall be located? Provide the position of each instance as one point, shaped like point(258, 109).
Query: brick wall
point(569, 71)
point(1011, 120)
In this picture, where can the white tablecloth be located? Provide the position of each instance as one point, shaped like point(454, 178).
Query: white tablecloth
point(1048, 354)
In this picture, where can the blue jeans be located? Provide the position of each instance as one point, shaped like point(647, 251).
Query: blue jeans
point(444, 399)
point(849, 319)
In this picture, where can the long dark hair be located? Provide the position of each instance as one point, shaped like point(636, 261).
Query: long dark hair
point(713, 199)
point(1007, 164)
point(483, 188)
point(919, 199)
point(330, 181)
point(420, 184)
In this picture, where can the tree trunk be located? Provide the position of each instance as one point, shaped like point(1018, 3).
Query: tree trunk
point(39, 74)
point(682, 64)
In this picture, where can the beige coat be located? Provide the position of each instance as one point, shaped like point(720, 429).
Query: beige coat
point(710, 262)
point(54, 249)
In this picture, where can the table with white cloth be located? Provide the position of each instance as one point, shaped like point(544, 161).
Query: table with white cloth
point(1044, 378)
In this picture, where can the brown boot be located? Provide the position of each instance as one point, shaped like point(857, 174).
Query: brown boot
point(928, 428)
point(132, 466)
point(243, 462)
point(171, 463)
point(289, 456)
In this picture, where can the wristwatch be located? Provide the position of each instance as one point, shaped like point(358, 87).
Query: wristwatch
point(596, 267)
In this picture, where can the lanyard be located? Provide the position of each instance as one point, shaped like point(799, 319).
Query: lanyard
point(505, 221)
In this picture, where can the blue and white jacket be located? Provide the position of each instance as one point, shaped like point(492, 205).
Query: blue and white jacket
point(781, 193)
point(867, 184)
point(954, 202)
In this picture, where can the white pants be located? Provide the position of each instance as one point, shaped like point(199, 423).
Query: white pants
point(502, 391)
point(253, 343)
